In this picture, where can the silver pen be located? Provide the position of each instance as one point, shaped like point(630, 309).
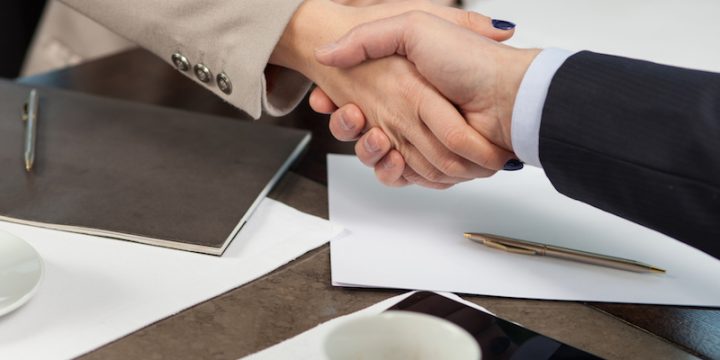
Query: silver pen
point(525, 247)
point(30, 115)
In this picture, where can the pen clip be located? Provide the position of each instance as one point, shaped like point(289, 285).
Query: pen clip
point(30, 105)
point(510, 248)
point(25, 115)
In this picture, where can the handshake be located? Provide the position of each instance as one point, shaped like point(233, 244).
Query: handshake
point(433, 99)
point(427, 93)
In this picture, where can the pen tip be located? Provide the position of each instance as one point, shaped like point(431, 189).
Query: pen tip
point(28, 166)
point(467, 235)
point(656, 269)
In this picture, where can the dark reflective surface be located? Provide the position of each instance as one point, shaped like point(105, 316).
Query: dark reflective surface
point(498, 339)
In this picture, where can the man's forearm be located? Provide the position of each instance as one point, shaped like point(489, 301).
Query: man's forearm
point(639, 140)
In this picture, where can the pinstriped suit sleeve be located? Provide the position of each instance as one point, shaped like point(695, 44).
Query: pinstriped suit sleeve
point(231, 36)
point(637, 139)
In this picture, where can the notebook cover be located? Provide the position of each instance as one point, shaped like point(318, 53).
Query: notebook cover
point(137, 172)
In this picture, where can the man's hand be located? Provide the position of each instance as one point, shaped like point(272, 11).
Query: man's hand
point(415, 110)
point(479, 75)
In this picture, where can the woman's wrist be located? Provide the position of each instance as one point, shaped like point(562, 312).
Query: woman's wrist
point(315, 23)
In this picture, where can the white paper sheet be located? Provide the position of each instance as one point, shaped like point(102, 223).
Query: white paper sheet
point(673, 32)
point(97, 290)
point(309, 345)
point(412, 238)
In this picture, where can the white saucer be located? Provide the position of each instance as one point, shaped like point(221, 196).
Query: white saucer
point(21, 270)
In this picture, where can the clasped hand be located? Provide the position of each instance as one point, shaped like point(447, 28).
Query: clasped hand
point(462, 91)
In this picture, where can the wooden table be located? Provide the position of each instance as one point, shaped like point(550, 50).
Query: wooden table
point(299, 296)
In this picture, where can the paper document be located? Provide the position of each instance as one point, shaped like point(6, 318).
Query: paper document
point(98, 290)
point(412, 238)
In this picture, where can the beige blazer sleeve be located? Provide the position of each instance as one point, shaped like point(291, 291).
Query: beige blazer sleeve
point(231, 38)
point(64, 37)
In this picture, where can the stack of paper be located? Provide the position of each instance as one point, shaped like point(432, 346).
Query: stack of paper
point(412, 238)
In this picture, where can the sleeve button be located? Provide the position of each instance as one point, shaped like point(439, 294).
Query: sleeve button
point(203, 73)
point(224, 83)
point(180, 61)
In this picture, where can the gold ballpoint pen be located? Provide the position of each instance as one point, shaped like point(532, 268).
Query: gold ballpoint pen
point(532, 248)
point(30, 115)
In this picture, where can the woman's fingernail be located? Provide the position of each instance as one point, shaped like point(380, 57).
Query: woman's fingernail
point(502, 24)
point(513, 164)
point(326, 48)
point(371, 144)
point(387, 164)
point(346, 125)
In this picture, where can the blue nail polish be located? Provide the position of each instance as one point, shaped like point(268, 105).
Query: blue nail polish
point(502, 24)
point(513, 164)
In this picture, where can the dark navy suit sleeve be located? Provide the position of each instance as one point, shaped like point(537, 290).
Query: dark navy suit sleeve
point(637, 139)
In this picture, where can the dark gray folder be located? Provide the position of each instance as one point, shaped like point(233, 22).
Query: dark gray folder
point(137, 172)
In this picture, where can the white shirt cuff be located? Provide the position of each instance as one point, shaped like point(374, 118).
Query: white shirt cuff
point(529, 102)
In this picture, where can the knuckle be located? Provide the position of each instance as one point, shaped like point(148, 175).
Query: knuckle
point(484, 162)
point(352, 35)
point(413, 177)
point(434, 175)
point(456, 139)
point(398, 143)
point(453, 167)
point(395, 132)
point(493, 158)
point(379, 138)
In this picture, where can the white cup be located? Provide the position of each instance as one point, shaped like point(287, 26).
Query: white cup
point(400, 335)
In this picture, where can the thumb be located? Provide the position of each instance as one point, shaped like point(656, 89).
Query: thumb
point(401, 35)
point(373, 40)
point(498, 30)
